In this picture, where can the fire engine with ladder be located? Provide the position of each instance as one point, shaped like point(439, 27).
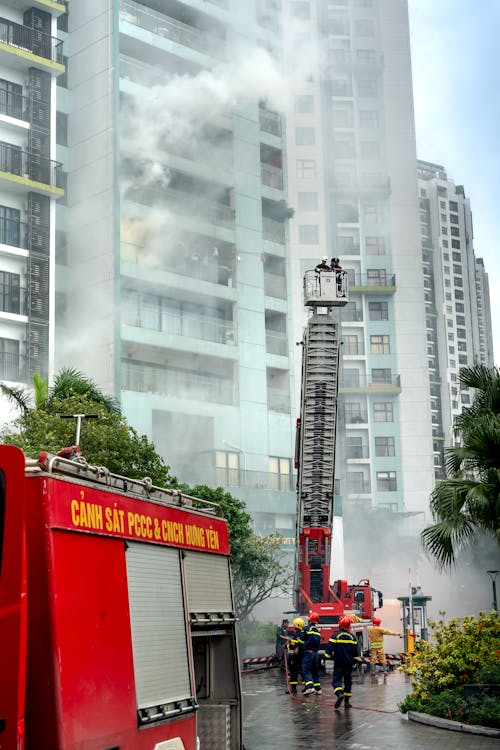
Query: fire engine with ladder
point(315, 462)
point(117, 622)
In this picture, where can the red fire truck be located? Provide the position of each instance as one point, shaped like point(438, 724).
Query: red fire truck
point(117, 624)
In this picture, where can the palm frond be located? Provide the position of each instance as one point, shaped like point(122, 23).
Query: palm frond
point(17, 396)
point(445, 538)
point(70, 381)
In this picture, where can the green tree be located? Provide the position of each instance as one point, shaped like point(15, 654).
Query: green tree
point(467, 503)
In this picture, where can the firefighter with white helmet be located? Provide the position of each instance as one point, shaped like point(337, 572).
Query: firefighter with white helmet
point(343, 648)
point(323, 266)
point(294, 655)
point(376, 638)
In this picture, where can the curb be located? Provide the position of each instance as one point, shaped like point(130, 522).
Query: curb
point(454, 726)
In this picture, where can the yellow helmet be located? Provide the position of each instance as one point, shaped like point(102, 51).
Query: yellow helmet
point(298, 623)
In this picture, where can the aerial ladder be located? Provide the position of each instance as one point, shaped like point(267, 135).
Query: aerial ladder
point(315, 462)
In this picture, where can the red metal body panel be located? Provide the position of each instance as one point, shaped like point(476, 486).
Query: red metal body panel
point(13, 601)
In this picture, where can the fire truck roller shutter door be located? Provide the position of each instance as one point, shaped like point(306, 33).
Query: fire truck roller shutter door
point(158, 624)
point(208, 584)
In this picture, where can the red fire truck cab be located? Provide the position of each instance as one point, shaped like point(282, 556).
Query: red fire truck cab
point(117, 624)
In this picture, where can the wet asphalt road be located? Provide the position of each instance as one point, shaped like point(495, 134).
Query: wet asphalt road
point(274, 720)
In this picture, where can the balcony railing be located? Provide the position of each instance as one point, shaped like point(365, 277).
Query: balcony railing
point(15, 303)
point(351, 315)
point(18, 234)
point(145, 378)
point(31, 166)
point(358, 451)
point(14, 105)
point(270, 122)
point(353, 348)
point(369, 57)
point(212, 212)
point(274, 285)
point(276, 343)
point(219, 476)
point(271, 176)
point(358, 487)
point(365, 182)
point(31, 40)
point(364, 280)
point(179, 323)
point(272, 230)
point(278, 400)
point(350, 382)
point(171, 29)
point(359, 418)
point(12, 367)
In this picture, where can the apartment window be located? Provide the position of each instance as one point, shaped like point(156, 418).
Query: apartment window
point(10, 292)
point(356, 482)
point(342, 115)
point(354, 446)
point(460, 307)
point(383, 411)
point(447, 282)
point(381, 375)
point(461, 333)
point(304, 136)
point(62, 128)
point(375, 245)
point(378, 310)
point(374, 213)
point(444, 243)
point(227, 468)
point(341, 87)
point(306, 168)
point(459, 294)
point(453, 219)
point(347, 213)
point(457, 268)
point(444, 230)
point(455, 231)
point(351, 378)
point(443, 218)
point(460, 319)
point(353, 413)
point(309, 234)
point(369, 118)
point(451, 350)
point(386, 481)
point(10, 226)
point(307, 201)
point(300, 9)
point(351, 344)
point(280, 470)
point(9, 359)
point(368, 87)
point(384, 446)
point(62, 80)
point(376, 276)
point(304, 103)
point(62, 22)
point(380, 344)
point(11, 99)
point(456, 257)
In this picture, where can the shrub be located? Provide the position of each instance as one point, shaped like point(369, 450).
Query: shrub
point(451, 704)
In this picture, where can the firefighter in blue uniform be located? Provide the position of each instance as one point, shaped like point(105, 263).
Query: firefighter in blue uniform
point(309, 639)
point(343, 646)
point(294, 655)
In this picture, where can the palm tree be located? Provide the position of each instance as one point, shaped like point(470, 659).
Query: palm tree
point(67, 382)
point(467, 503)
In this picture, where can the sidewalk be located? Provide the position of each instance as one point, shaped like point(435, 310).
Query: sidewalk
point(273, 720)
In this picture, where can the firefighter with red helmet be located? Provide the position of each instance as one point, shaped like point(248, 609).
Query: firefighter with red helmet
point(376, 638)
point(310, 639)
point(294, 655)
point(343, 648)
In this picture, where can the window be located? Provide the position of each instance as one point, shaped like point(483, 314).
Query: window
point(347, 213)
point(341, 87)
point(384, 446)
point(11, 99)
point(353, 413)
point(455, 231)
point(352, 344)
point(459, 294)
point(386, 481)
point(354, 446)
point(443, 218)
point(307, 201)
point(444, 243)
point(10, 225)
point(457, 280)
point(460, 319)
point(304, 136)
point(461, 333)
point(453, 219)
point(280, 470)
point(383, 411)
point(351, 378)
point(368, 87)
point(375, 245)
point(10, 292)
point(306, 168)
point(300, 9)
point(356, 483)
point(453, 206)
point(342, 115)
point(380, 345)
point(62, 80)
point(457, 268)
point(460, 307)
point(369, 118)
point(227, 468)
point(381, 375)
point(10, 158)
point(376, 276)
point(374, 213)
point(304, 103)
point(309, 234)
point(62, 22)
point(456, 257)
point(62, 128)
point(378, 310)
point(9, 359)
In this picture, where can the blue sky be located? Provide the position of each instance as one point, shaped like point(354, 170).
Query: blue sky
point(456, 82)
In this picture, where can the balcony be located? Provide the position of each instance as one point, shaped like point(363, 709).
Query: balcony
point(362, 58)
point(142, 377)
point(354, 348)
point(276, 343)
point(31, 170)
point(273, 231)
point(203, 209)
point(171, 29)
point(278, 400)
point(271, 176)
point(13, 301)
point(274, 285)
point(31, 45)
point(270, 122)
point(222, 477)
point(360, 382)
point(14, 105)
point(13, 367)
point(351, 314)
point(24, 236)
point(358, 486)
point(379, 284)
point(357, 418)
point(357, 451)
point(368, 183)
point(179, 323)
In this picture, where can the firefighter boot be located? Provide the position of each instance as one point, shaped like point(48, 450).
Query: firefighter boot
point(340, 698)
point(347, 703)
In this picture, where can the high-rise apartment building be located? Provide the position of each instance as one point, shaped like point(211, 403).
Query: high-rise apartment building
point(31, 181)
point(456, 298)
point(177, 294)
point(352, 156)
